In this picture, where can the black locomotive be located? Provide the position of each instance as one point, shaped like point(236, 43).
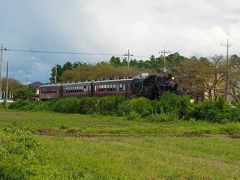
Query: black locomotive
point(151, 87)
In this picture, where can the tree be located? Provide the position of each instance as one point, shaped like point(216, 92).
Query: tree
point(24, 92)
point(13, 85)
point(53, 74)
point(67, 66)
point(234, 77)
point(99, 71)
point(115, 61)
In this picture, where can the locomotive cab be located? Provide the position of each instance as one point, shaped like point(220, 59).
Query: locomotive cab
point(153, 86)
point(144, 86)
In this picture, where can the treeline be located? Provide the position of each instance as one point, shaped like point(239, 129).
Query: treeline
point(16, 90)
point(205, 76)
point(169, 107)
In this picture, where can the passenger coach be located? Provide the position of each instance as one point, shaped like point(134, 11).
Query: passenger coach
point(88, 88)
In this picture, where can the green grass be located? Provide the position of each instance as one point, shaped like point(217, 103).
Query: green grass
point(56, 123)
point(145, 157)
point(108, 147)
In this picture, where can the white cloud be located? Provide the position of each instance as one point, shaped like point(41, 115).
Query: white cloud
point(113, 26)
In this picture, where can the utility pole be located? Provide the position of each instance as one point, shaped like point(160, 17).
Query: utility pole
point(128, 57)
point(164, 52)
point(227, 45)
point(1, 58)
point(55, 75)
point(6, 98)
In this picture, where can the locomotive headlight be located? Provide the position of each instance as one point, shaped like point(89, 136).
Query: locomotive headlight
point(172, 78)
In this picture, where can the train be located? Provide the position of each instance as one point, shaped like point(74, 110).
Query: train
point(149, 86)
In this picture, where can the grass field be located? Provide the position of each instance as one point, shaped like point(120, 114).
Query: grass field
point(108, 147)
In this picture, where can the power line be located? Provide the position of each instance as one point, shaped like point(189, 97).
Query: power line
point(76, 53)
point(60, 52)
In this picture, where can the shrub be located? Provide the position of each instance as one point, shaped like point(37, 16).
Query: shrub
point(67, 105)
point(213, 111)
point(88, 105)
point(21, 157)
point(173, 104)
point(19, 104)
point(142, 106)
point(233, 114)
point(109, 104)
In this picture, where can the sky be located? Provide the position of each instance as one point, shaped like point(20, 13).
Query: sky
point(192, 28)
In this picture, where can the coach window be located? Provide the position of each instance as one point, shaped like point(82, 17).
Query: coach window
point(124, 87)
point(120, 87)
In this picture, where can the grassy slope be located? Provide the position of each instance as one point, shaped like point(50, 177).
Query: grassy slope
point(164, 156)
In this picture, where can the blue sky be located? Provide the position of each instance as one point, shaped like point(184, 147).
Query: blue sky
point(112, 26)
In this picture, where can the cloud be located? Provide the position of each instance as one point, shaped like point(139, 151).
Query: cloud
point(113, 26)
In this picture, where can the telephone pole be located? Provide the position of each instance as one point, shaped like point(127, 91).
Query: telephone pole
point(164, 52)
point(55, 78)
point(128, 57)
point(6, 98)
point(227, 45)
point(1, 59)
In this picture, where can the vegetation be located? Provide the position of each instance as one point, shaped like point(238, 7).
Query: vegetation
point(169, 105)
point(17, 90)
point(195, 76)
point(73, 146)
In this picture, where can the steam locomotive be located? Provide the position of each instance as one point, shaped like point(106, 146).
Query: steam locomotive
point(149, 86)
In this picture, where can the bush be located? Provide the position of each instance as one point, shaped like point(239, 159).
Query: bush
point(233, 114)
point(173, 104)
point(88, 105)
point(162, 117)
point(19, 104)
point(67, 105)
point(142, 106)
point(21, 157)
point(213, 111)
point(109, 104)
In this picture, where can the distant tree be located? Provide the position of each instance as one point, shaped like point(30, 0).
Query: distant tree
point(13, 85)
point(234, 77)
point(53, 74)
point(67, 66)
point(99, 71)
point(24, 92)
point(174, 62)
point(124, 62)
point(115, 61)
point(76, 64)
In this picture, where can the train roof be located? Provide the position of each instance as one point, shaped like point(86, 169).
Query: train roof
point(50, 85)
point(87, 82)
point(113, 80)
